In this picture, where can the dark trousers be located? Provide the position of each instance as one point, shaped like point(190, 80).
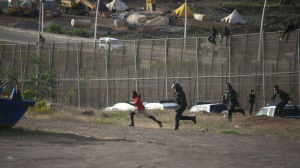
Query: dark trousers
point(287, 33)
point(231, 109)
point(251, 108)
point(179, 116)
point(279, 108)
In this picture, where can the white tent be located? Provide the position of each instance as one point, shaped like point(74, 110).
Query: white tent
point(116, 5)
point(234, 18)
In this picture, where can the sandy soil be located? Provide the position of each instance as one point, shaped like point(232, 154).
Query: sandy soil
point(76, 144)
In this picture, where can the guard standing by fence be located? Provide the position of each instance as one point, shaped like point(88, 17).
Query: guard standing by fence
point(252, 97)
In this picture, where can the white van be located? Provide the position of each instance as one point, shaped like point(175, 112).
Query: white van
point(115, 44)
point(215, 108)
point(291, 111)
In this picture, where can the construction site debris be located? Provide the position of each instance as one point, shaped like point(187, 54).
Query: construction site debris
point(158, 21)
point(120, 22)
point(80, 23)
point(136, 19)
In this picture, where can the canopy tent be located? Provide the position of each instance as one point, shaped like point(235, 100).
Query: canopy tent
point(234, 18)
point(116, 5)
point(180, 12)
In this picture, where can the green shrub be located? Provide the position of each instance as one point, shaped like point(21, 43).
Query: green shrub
point(78, 32)
point(40, 107)
point(54, 28)
point(29, 94)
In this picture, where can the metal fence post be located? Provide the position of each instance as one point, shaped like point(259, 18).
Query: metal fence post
point(298, 52)
point(78, 77)
point(127, 84)
point(197, 68)
point(14, 57)
point(157, 83)
point(277, 60)
point(136, 47)
point(181, 54)
point(166, 66)
point(93, 60)
point(99, 89)
point(295, 64)
point(1, 51)
point(222, 82)
point(211, 68)
point(21, 68)
point(150, 68)
point(263, 66)
point(229, 58)
point(206, 73)
point(26, 60)
point(244, 59)
point(107, 73)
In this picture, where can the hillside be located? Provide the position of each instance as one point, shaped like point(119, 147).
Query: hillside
point(277, 16)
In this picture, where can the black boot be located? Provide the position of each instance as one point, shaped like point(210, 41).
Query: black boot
point(132, 119)
point(194, 119)
point(243, 112)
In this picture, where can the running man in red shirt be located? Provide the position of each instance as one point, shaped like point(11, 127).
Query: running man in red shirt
point(140, 108)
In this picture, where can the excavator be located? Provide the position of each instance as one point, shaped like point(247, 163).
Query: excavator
point(81, 7)
point(22, 8)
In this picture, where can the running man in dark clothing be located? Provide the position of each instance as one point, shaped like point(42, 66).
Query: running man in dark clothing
point(290, 27)
point(180, 100)
point(230, 99)
point(140, 109)
point(284, 97)
point(251, 100)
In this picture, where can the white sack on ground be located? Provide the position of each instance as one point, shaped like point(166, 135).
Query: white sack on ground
point(120, 107)
point(116, 5)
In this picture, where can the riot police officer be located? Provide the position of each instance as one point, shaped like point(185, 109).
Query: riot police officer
point(230, 99)
point(180, 99)
point(284, 97)
point(252, 97)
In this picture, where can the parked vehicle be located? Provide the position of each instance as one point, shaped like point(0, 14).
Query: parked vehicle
point(210, 108)
point(12, 109)
point(114, 44)
point(202, 102)
point(22, 8)
point(291, 111)
point(161, 106)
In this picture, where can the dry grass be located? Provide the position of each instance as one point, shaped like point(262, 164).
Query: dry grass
point(212, 123)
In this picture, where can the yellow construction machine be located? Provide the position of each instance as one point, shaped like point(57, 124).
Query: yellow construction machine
point(79, 7)
point(22, 8)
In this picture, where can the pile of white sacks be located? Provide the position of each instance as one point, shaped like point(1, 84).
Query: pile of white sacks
point(148, 106)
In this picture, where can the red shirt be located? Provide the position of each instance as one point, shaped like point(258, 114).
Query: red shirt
point(139, 103)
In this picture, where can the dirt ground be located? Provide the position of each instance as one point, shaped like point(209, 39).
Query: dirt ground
point(76, 144)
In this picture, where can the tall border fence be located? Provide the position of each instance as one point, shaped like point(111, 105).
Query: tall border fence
point(90, 75)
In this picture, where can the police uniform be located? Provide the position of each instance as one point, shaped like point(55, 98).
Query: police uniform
point(180, 100)
point(230, 99)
